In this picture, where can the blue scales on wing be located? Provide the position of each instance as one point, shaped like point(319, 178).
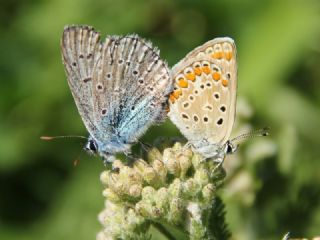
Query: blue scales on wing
point(131, 84)
point(120, 85)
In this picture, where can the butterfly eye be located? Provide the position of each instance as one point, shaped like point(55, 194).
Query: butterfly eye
point(91, 146)
point(230, 147)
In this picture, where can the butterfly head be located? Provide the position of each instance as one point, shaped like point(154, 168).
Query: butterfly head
point(106, 149)
point(91, 146)
point(230, 147)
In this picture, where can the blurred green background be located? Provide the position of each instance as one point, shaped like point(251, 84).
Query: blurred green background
point(273, 184)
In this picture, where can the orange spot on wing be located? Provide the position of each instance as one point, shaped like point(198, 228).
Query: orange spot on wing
point(216, 76)
point(177, 93)
point(197, 71)
point(206, 69)
point(228, 55)
point(217, 55)
point(172, 98)
point(191, 76)
point(225, 82)
point(183, 83)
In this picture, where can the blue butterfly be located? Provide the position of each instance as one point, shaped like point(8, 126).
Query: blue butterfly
point(120, 87)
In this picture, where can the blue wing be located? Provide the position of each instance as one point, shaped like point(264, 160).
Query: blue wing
point(130, 88)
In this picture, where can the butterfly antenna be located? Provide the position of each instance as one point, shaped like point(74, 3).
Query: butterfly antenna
point(77, 160)
point(255, 133)
point(48, 138)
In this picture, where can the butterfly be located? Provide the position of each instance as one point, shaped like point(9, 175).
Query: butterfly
point(203, 103)
point(120, 87)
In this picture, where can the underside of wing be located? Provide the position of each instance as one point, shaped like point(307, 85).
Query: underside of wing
point(131, 86)
point(203, 103)
point(80, 48)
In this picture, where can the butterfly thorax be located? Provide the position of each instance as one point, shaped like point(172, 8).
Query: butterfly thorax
point(209, 150)
point(213, 150)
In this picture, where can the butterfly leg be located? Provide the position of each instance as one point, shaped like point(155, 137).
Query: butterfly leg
point(131, 158)
point(187, 145)
point(145, 146)
point(220, 163)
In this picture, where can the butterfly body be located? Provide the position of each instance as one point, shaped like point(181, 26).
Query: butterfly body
point(202, 104)
point(207, 149)
point(120, 87)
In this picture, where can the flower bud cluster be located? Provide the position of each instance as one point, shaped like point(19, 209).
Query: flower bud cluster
point(175, 187)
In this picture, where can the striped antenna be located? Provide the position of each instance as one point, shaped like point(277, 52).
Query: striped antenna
point(48, 138)
point(255, 133)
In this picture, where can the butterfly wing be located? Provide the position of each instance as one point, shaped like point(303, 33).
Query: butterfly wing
point(203, 103)
point(130, 88)
point(81, 51)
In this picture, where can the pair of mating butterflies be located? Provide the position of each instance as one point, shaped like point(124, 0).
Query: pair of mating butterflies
point(121, 87)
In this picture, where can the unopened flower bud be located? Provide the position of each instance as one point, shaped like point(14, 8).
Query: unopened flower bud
point(135, 190)
point(104, 177)
point(171, 162)
point(201, 176)
point(161, 170)
point(208, 192)
point(110, 195)
point(150, 175)
point(148, 193)
point(153, 155)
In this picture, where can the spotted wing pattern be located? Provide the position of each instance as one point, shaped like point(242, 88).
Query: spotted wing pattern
point(80, 54)
point(131, 87)
point(120, 86)
point(203, 103)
